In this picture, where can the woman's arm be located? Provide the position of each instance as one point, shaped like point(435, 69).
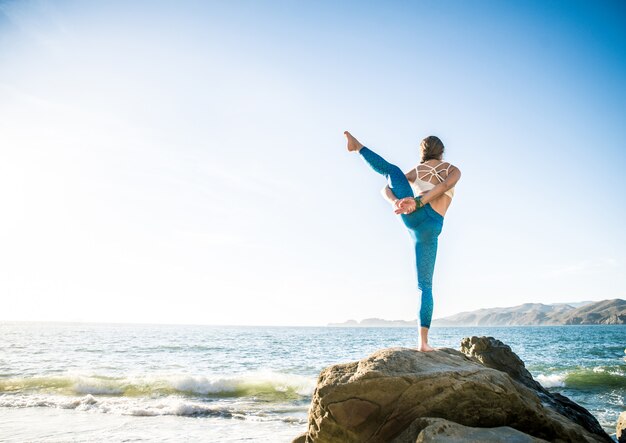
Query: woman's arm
point(453, 176)
point(408, 205)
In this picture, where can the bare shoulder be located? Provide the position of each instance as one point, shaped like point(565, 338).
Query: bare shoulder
point(451, 167)
point(454, 168)
point(454, 174)
point(447, 166)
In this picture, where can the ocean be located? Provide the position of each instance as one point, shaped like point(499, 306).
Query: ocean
point(77, 382)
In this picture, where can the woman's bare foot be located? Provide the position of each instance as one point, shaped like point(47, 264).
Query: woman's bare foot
point(353, 143)
point(423, 340)
point(425, 347)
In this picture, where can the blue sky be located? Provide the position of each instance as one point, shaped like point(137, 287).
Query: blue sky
point(185, 163)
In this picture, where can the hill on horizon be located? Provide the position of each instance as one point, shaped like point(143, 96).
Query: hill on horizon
point(604, 312)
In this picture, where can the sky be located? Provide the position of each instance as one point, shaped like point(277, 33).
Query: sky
point(184, 162)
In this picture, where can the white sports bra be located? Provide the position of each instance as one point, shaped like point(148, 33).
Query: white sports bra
point(421, 185)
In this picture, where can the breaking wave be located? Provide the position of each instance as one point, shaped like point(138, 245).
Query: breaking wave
point(148, 407)
point(597, 377)
point(269, 385)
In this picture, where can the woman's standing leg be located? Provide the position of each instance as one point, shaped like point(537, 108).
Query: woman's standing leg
point(425, 256)
point(426, 242)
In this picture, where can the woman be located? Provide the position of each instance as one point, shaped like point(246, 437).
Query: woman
point(434, 181)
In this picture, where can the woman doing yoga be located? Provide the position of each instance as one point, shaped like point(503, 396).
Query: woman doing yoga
point(433, 181)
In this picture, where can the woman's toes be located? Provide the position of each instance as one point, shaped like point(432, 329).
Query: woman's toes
point(353, 143)
point(425, 348)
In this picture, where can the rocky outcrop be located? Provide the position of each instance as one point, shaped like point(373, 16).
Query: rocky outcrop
point(494, 354)
point(406, 395)
point(436, 430)
point(620, 429)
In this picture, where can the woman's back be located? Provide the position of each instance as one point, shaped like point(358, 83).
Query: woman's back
point(426, 175)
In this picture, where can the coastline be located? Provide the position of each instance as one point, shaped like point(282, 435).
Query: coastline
point(229, 378)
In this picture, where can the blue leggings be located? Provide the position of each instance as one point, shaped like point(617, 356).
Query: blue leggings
point(424, 225)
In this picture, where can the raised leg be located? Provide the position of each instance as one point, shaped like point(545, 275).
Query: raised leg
point(396, 179)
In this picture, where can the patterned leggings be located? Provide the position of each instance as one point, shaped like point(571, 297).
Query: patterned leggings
point(424, 225)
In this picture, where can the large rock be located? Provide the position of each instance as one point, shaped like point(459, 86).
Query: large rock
point(620, 429)
point(436, 430)
point(380, 398)
point(494, 354)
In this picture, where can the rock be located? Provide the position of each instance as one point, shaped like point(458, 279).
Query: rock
point(381, 397)
point(620, 429)
point(435, 430)
point(300, 438)
point(494, 354)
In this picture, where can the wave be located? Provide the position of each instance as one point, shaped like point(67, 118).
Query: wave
point(269, 385)
point(598, 377)
point(148, 407)
point(551, 380)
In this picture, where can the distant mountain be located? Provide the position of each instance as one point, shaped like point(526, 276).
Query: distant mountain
point(605, 312)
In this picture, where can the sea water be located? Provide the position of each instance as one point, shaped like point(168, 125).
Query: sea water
point(116, 382)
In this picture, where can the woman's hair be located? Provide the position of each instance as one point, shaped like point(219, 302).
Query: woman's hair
point(432, 148)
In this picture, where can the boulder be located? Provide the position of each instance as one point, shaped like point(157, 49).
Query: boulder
point(381, 398)
point(439, 430)
point(492, 353)
point(620, 429)
point(300, 438)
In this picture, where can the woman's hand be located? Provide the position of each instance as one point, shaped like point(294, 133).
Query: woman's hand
point(404, 205)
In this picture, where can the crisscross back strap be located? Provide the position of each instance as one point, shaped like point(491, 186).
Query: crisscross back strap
point(433, 171)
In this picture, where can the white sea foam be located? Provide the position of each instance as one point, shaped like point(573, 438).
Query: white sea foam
point(149, 407)
point(240, 385)
point(97, 386)
point(250, 383)
point(165, 394)
point(551, 380)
